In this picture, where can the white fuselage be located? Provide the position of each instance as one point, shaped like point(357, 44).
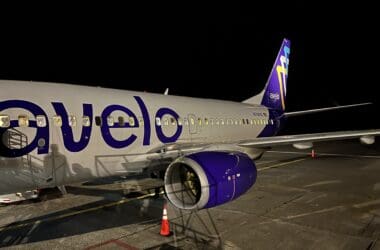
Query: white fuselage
point(107, 152)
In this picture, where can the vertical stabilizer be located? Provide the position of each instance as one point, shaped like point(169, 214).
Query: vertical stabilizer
point(274, 93)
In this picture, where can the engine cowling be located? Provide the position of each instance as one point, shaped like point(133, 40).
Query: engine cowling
point(208, 179)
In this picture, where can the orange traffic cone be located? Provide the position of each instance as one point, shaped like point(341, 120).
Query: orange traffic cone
point(165, 228)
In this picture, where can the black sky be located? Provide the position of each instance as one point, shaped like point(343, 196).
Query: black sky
point(190, 48)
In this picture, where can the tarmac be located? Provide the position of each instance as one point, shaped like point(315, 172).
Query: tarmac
point(329, 201)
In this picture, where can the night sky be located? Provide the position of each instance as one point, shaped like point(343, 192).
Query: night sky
point(221, 51)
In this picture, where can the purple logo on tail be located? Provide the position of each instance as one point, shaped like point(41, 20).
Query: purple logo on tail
point(275, 93)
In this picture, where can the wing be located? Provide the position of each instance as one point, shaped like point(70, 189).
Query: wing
point(164, 154)
point(290, 139)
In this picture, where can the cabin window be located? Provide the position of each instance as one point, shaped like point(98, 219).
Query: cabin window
point(4, 121)
point(206, 121)
point(121, 121)
point(41, 121)
point(199, 121)
point(243, 120)
point(251, 121)
point(131, 121)
point(211, 121)
point(216, 121)
point(86, 121)
point(166, 121)
point(57, 120)
point(271, 122)
point(222, 121)
point(72, 121)
point(173, 121)
point(192, 122)
point(158, 121)
point(110, 121)
point(236, 122)
point(98, 121)
point(23, 121)
point(141, 121)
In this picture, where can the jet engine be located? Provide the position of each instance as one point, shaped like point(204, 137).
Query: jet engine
point(208, 179)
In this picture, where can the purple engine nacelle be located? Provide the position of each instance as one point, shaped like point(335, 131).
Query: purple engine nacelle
point(208, 179)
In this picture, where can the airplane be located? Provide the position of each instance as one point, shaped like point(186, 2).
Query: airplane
point(57, 134)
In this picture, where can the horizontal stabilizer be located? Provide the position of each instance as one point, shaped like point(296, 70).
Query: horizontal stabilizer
point(311, 111)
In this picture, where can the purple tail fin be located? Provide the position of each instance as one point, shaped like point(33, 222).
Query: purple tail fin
point(274, 92)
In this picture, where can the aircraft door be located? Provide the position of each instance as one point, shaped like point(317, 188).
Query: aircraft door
point(49, 160)
point(55, 163)
point(192, 124)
